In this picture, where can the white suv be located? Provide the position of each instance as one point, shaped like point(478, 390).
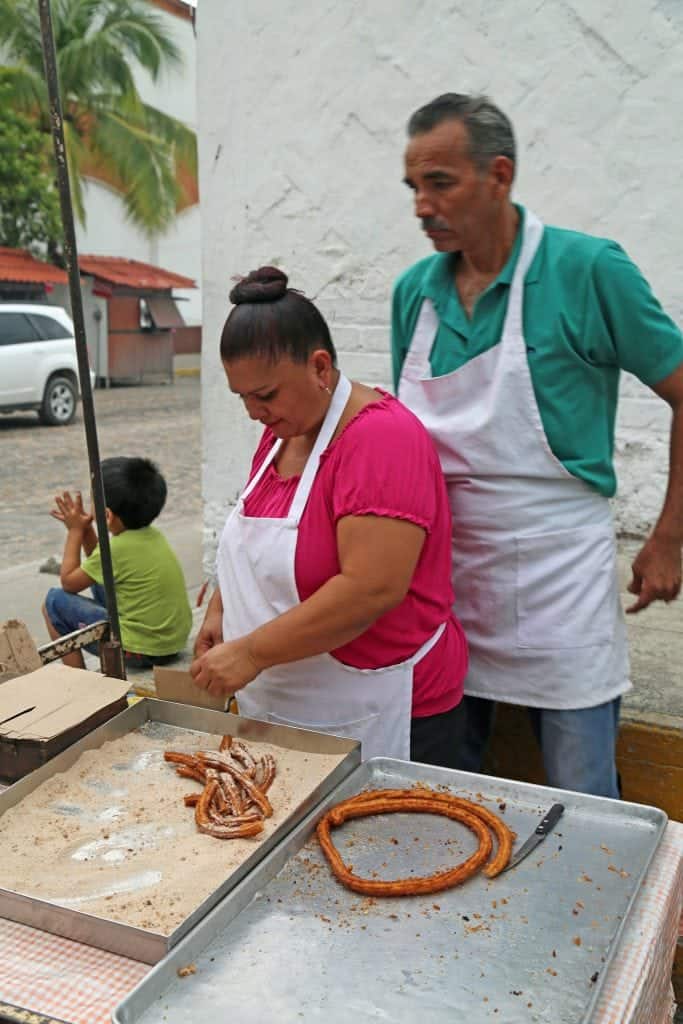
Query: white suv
point(38, 364)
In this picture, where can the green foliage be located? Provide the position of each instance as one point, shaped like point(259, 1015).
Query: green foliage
point(29, 204)
point(100, 44)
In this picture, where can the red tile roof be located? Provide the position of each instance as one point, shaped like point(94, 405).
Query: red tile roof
point(117, 270)
point(20, 265)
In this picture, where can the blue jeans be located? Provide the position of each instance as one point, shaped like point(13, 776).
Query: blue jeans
point(69, 612)
point(578, 747)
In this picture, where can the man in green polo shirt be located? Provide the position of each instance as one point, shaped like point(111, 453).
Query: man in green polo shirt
point(508, 343)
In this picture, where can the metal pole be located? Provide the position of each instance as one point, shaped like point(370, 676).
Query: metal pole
point(114, 655)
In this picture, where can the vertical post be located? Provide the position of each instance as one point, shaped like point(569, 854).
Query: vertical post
point(113, 656)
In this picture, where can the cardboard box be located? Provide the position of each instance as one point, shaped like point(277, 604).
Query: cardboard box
point(45, 711)
point(18, 652)
point(177, 685)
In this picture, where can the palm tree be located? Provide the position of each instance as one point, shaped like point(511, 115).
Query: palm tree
point(109, 132)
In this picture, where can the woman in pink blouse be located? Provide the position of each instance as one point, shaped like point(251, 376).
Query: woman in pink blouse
point(334, 605)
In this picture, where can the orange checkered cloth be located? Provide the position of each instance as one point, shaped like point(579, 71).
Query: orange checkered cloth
point(83, 985)
point(637, 988)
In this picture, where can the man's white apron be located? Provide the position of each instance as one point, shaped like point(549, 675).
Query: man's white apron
point(534, 553)
point(256, 574)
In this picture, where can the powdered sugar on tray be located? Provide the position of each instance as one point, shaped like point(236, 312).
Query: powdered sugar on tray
point(111, 836)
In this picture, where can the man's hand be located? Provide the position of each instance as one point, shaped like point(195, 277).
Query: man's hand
point(225, 669)
point(656, 573)
point(70, 511)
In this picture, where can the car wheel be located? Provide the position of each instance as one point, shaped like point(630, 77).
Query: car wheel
point(59, 402)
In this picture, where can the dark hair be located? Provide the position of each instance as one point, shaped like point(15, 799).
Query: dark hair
point(134, 490)
point(489, 130)
point(272, 320)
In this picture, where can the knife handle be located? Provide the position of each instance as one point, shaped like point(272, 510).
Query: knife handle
point(550, 821)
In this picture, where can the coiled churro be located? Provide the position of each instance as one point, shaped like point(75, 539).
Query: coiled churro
point(421, 800)
point(233, 802)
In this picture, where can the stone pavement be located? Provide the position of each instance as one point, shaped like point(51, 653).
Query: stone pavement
point(36, 462)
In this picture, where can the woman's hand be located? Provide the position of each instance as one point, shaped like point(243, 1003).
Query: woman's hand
point(225, 668)
point(211, 631)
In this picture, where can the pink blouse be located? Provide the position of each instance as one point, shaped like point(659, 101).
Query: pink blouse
point(383, 464)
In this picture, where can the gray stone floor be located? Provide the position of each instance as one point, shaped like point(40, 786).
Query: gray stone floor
point(36, 462)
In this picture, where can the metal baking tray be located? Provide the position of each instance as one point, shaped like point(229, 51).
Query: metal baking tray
point(135, 942)
point(533, 945)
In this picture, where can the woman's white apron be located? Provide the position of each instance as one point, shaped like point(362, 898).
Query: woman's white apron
point(534, 553)
point(256, 574)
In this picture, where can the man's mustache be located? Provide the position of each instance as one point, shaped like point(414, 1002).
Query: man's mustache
point(434, 224)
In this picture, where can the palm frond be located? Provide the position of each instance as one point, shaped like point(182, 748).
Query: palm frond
point(88, 65)
point(26, 90)
point(20, 33)
point(99, 43)
point(175, 133)
point(139, 33)
point(145, 167)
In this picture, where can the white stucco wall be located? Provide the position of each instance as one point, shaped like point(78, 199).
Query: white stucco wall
point(95, 320)
point(107, 231)
point(302, 108)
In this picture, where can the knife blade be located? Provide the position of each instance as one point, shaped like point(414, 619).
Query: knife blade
point(544, 827)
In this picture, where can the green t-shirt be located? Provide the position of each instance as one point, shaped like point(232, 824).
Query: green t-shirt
point(588, 313)
point(151, 595)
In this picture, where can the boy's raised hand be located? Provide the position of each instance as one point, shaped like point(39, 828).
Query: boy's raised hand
point(69, 510)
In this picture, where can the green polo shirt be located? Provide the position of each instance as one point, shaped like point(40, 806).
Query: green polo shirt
point(588, 313)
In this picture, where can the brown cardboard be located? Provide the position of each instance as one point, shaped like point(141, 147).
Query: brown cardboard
point(177, 685)
point(18, 653)
point(61, 698)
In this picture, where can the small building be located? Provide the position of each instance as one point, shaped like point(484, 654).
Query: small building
point(26, 279)
point(130, 311)
point(132, 322)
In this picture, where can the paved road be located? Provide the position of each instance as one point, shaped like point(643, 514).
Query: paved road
point(160, 421)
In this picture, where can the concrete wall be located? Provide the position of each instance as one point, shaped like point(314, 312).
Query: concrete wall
point(302, 108)
point(107, 232)
point(95, 319)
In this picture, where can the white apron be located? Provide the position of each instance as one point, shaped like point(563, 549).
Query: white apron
point(534, 552)
point(255, 565)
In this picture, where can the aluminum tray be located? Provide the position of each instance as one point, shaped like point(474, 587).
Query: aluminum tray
point(289, 943)
point(132, 941)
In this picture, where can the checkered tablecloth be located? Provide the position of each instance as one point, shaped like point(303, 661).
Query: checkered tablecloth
point(80, 984)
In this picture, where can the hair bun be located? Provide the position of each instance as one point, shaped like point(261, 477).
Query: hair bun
point(267, 284)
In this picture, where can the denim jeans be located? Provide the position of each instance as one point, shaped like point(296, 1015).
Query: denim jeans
point(578, 746)
point(69, 612)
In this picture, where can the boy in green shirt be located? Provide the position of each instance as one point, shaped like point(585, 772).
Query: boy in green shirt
point(154, 611)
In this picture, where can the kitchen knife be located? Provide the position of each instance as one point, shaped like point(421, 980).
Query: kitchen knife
point(544, 827)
